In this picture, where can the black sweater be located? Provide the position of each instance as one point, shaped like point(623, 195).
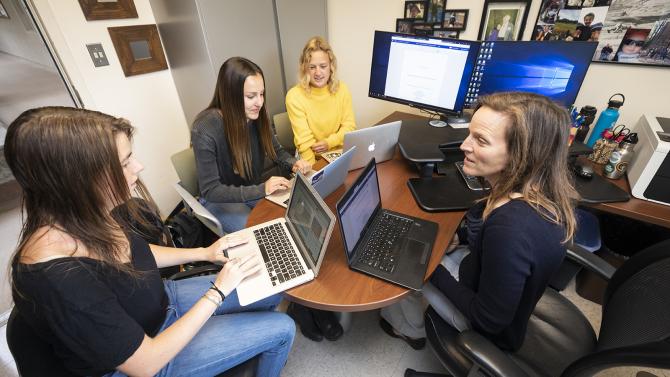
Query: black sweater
point(513, 255)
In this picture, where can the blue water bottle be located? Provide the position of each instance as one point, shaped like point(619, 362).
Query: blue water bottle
point(606, 119)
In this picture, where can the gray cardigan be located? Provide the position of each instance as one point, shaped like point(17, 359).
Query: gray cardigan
point(217, 180)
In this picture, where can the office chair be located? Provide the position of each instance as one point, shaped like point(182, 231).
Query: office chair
point(187, 188)
point(635, 329)
point(284, 132)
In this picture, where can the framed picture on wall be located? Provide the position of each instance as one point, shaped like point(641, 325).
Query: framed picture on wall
point(627, 31)
point(503, 20)
point(108, 9)
point(455, 19)
point(446, 33)
point(435, 11)
point(139, 49)
point(3, 11)
point(415, 10)
point(404, 25)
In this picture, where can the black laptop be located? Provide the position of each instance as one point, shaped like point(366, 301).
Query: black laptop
point(379, 242)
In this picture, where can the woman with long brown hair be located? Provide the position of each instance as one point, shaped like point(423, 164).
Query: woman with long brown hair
point(515, 239)
point(86, 280)
point(238, 157)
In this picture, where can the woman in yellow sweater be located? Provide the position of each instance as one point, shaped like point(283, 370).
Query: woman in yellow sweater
point(319, 106)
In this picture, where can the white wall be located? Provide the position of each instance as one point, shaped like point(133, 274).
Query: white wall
point(19, 38)
point(351, 25)
point(148, 101)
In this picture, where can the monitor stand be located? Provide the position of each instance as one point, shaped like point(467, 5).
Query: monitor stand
point(457, 120)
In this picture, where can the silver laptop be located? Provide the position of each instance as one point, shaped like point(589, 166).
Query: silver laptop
point(292, 247)
point(376, 142)
point(324, 181)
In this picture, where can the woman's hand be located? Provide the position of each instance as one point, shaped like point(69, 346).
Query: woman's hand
point(236, 270)
point(455, 241)
point(320, 146)
point(215, 251)
point(276, 183)
point(302, 166)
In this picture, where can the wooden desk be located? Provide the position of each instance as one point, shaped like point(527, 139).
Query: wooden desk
point(338, 288)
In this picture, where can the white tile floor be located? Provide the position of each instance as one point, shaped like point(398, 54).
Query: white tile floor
point(365, 350)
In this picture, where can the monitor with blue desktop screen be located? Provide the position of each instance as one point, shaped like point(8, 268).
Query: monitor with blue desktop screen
point(425, 72)
point(555, 69)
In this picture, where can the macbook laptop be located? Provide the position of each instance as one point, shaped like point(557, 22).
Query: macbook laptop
point(324, 181)
point(292, 247)
point(379, 242)
point(376, 142)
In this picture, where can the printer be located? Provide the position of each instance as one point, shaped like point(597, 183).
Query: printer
point(649, 170)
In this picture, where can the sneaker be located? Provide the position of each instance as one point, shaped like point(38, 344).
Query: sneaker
point(416, 343)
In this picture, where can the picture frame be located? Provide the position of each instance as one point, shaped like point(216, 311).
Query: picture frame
point(108, 10)
point(435, 11)
point(455, 19)
point(503, 20)
point(3, 11)
point(446, 33)
point(139, 49)
point(404, 25)
point(423, 28)
point(416, 10)
point(628, 32)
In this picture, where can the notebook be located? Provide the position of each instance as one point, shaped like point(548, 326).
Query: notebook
point(292, 248)
point(379, 242)
point(376, 142)
point(324, 181)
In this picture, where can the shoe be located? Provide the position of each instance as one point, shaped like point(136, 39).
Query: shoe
point(328, 324)
point(416, 343)
point(305, 320)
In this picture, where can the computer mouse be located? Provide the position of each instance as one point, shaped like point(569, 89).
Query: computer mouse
point(584, 171)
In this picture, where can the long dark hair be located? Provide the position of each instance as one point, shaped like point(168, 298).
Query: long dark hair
point(537, 144)
point(67, 163)
point(229, 100)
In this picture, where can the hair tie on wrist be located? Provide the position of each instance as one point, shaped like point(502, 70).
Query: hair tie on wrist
point(214, 287)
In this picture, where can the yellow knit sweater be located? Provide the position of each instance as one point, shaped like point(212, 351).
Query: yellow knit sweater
point(318, 116)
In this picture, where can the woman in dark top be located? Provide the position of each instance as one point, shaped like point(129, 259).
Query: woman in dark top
point(88, 283)
point(516, 236)
point(238, 157)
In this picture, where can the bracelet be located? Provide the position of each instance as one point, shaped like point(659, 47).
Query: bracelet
point(213, 301)
point(214, 287)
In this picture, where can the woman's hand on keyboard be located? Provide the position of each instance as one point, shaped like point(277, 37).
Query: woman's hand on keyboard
point(236, 270)
point(276, 183)
point(217, 252)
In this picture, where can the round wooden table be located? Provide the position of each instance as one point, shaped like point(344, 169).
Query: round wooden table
point(338, 288)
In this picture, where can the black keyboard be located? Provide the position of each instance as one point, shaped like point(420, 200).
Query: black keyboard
point(280, 258)
point(381, 249)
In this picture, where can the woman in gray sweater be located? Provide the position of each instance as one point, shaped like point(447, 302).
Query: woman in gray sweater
point(238, 157)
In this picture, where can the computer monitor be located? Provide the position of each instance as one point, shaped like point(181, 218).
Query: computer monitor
point(555, 69)
point(420, 71)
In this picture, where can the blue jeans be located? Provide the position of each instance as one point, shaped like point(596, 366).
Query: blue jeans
point(232, 216)
point(231, 336)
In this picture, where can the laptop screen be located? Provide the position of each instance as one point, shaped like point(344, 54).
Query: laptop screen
point(309, 219)
point(357, 207)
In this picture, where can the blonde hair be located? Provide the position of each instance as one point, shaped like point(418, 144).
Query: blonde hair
point(313, 45)
point(536, 137)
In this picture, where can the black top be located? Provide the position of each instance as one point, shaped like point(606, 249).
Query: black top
point(94, 316)
point(217, 178)
point(513, 255)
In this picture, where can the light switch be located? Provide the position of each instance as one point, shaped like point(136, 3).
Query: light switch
point(97, 54)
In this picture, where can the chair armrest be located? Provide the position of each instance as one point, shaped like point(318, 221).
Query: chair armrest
point(196, 271)
point(591, 261)
point(487, 355)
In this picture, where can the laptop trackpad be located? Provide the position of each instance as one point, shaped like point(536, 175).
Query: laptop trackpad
point(418, 248)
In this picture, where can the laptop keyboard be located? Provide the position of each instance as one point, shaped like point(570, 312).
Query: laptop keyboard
point(278, 254)
point(380, 252)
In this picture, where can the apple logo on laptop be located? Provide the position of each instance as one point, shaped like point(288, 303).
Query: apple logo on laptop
point(371, 147)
